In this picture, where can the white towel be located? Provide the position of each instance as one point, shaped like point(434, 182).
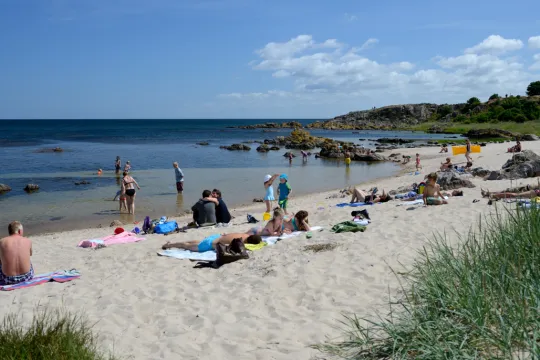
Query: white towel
point(271, 240)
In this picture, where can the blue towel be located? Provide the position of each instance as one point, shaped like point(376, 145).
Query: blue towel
point(352, 204)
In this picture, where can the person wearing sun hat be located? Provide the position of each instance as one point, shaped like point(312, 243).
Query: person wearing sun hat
point(284, 191)
point(269, 195)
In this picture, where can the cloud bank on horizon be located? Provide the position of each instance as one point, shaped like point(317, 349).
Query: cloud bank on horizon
point(321, 71)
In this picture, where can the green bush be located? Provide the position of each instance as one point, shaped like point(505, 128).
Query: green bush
point(510, 115)
point(51, 336)
point(460, 118)
point(444, 110)
point(533, 88)
point(530, 109)
point(494, 96)
point(481, 118)
point(510, 103)
point(478, 300)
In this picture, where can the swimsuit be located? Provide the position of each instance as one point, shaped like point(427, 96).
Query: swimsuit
point(269, 193)
point(293, 222)
point(129, 192)
point(16, 279)
point(433, 200)
point(207, 243)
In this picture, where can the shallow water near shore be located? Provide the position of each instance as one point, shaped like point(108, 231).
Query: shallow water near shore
point(151, 146)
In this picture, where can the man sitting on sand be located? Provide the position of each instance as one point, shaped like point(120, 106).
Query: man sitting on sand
point(432, 191)
point(210, 242)
point(446, 166)
point(204, 210)
point(15, 252)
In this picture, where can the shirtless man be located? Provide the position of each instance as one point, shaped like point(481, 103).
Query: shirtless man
point(15, 252)
point(210, 242)
point(432, 191)
point(529, 194)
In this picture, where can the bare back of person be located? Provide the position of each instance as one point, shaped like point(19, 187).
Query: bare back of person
point(15, 252)
point(211, 241)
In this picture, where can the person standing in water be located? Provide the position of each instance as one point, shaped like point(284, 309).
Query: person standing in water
point(269, 196)
point(118, 164)
point(127, 167)
point(179, 178)
point(128, 188)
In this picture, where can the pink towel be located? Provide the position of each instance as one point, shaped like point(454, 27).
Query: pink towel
point(122, 238)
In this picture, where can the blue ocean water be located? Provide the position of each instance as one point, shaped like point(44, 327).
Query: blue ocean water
point(152, 146)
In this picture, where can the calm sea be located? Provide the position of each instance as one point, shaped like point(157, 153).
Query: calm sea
point(152, 146)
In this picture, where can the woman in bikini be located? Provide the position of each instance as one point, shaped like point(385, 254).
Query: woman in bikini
point(298, 223)
point(273, 227)
point(128, 187)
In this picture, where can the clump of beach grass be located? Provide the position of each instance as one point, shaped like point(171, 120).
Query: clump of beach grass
point(320, 247)
point(476, 300)
point(52, 335)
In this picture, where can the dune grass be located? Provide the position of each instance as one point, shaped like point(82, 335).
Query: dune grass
point(476, 300)
point(52, 335)
point(528, 127)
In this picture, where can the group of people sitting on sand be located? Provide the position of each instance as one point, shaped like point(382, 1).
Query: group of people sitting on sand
point(277, 226)
point(211, 210)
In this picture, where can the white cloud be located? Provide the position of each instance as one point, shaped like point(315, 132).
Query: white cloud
point(330, 71)
point(350, 17)
point(495, 44)
point(534, 42)
point(369, 43)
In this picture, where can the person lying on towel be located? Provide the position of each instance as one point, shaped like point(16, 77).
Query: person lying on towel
point(15, 252)
point(210, 242)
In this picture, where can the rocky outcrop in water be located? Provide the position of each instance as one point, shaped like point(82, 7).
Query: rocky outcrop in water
point(236, 147)
point(31, 188)
point(272, 125)
point(4, 188)
point(53, 150)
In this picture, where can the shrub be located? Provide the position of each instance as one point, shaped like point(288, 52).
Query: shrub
point(51, 336)
point(444, 110)
point(479, 300)
point(494, 96)
point(510, 114)
point(481, 118)
point(460, 118)
point(530, 109)
point(533, 88)
point(474, 101)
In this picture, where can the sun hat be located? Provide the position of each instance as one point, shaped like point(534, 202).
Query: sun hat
point(267, 178)
point(284, 176)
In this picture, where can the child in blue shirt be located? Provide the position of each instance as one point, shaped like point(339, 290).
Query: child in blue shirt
point(284, 191)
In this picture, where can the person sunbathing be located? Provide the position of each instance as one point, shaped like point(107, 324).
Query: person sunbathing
point(273, 227)
point(529, 194)
point(446, 166)
point(444, 149)
point(15, 253)
point(516, 148)
point(432, 191)
point(209, 243)
point(299, 222)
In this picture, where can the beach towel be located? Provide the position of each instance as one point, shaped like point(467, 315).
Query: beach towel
point(56, 276)
point(415, 202)
point(122, 238)
point(253, 247)
point(211, 255)
point(352, 204)
point(348, 226)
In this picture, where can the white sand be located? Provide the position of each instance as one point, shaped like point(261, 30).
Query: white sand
point(272, 306)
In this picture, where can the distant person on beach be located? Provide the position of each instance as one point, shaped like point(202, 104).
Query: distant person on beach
point(117, 164)
point(128, 188)
point(290, 157)
point(269, 191)
point(444, 148)
point(222, 212)
point(432, 191)
point(304, 155)
point(418, 166)
point(210, 242)
point(284, 191)
point(15, 253)
point(468, 150)
point(179, 178)
point(127, 167)
point(204, 210)
point(446, 166)
point(529, 194)
point(516, 148)
point(347, 158)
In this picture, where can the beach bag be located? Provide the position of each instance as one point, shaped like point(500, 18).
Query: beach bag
point(147, 225)
point(251, 219)
point(165, 228)
point(226, 254)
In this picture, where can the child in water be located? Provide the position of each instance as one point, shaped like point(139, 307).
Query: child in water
point(284, 191)
point(269, 195)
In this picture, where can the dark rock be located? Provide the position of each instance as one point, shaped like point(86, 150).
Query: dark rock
point(480, 172)
point(489, 133)
point(203, 143)
point(263, 148)
point(521, 165)
point(258, 200)
point(31, 188)
point(494, 175)
point(394, 154)
point(483, 144)
point(290, 124)
point(84, 182)
point(236, 147)
point(53, 150)
point(4, 188)
point(529, 137)
point(402, 190)
point(451, 180)
point(394, 141)
point(275, 148)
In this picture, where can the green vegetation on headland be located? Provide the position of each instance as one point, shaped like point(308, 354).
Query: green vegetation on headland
point(477, 300)
point(52, 335)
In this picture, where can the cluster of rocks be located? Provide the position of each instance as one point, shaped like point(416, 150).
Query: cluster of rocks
point(451, 180)
point(83, 182)
point(4, 188)
point(31, 188)
point(236, 147)
point(53, 150)
point(272, 125)
point(265, 148)
point(203, 143)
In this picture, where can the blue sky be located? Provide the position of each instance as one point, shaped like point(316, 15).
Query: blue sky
point(257, 59)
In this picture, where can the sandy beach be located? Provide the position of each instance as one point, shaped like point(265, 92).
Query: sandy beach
point(272, 306)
